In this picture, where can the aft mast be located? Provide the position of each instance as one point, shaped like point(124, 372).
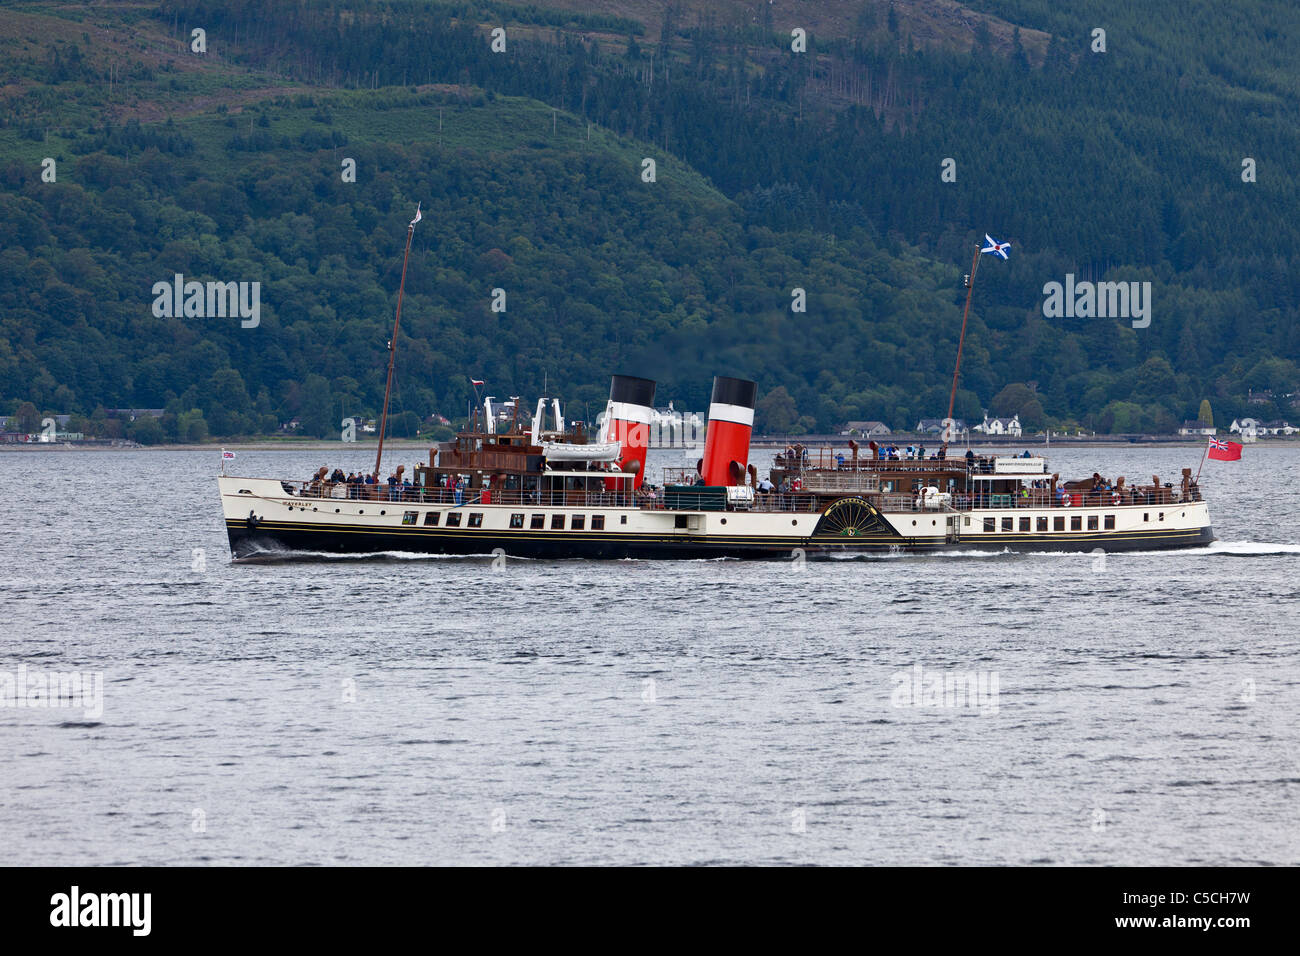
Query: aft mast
point(999, 249)
point(392, 343)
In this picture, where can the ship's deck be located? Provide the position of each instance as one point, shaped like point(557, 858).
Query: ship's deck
point(795, 503)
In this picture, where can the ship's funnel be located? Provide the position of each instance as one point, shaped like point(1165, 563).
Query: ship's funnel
point(731, 420)
point(627, 421)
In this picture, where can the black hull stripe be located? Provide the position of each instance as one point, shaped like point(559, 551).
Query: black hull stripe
point(244, 541)
point(541, 535)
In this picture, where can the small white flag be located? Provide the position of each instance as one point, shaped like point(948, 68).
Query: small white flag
point(418, 216)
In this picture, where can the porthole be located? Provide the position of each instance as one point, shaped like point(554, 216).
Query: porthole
point(382, 512)
point(724, 520)
point(795, 521)
point(313, 508)
point(336, 510)
point(361, 511)
point(913, 522)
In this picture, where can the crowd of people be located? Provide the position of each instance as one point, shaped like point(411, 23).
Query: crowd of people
point(364, 487)
point(909, 453)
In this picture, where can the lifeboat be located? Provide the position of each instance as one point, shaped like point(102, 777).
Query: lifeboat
point(569, 451)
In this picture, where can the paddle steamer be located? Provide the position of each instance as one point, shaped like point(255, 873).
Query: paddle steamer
point(550, 492)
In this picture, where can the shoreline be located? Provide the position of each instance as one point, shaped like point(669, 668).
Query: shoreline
point(767, 444)
point(321, 445)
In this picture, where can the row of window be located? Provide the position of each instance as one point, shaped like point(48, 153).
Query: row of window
point(1058, 522)
point(536, 522)
point(576, 522)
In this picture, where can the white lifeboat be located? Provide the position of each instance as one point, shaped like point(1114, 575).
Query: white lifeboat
point(570, 451)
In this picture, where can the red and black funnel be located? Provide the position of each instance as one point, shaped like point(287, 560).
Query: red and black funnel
point(731, 421)
point(628, 416)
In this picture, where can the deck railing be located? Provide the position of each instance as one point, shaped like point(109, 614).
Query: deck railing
point(823, 459)
point(567, 498)
point(1038, 498)
point(807, 500)
point(413, 494)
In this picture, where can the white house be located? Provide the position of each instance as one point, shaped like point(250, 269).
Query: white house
point(1000, 426)
point(865, 429)
point(1247, 428)
point(1197, 428)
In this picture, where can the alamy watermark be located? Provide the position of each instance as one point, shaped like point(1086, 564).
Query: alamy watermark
point(208, 300)
point(53, 689)
point(919, 688)
point(1100, 300)
point(129, 910)
point(670, 429)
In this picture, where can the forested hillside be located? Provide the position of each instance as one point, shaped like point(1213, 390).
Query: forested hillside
point(775, 171)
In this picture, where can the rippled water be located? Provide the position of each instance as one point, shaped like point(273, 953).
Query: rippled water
point(434, 710)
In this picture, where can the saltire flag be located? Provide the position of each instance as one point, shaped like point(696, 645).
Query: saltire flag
point(418, 216)
point(227, 455)
point(995, 247)
point(1223, 450)
point(476, 381)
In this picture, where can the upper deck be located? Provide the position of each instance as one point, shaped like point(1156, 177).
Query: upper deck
point(703, 498)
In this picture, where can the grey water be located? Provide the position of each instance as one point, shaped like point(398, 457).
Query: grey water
point(1130, 709)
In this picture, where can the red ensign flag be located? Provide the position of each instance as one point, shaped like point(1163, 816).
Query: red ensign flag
point(1221, 450)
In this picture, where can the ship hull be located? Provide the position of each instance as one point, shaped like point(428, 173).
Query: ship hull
point(263, 521)
point(285, 540)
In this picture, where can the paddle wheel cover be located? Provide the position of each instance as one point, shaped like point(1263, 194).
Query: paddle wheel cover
point(850, 517)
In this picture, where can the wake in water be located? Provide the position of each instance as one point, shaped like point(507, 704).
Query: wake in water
point(1248, 548)
point(272, 555)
